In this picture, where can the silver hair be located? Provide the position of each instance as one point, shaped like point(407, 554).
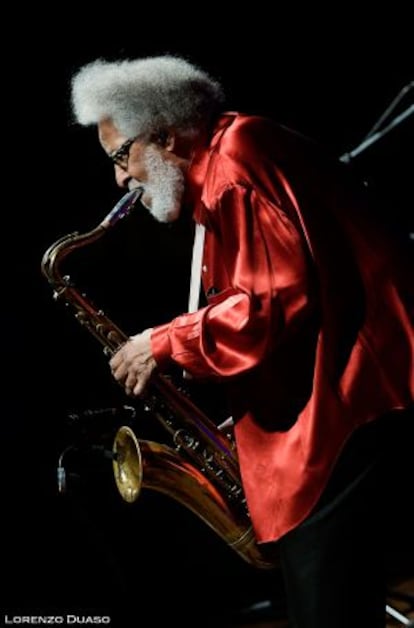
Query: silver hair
point(146, 96)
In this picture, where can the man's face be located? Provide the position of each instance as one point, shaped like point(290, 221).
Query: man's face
point(150, 166)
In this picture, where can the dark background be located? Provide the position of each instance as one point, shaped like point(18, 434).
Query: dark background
point(88, 551)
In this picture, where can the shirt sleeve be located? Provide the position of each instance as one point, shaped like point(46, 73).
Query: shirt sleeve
point(265, 258)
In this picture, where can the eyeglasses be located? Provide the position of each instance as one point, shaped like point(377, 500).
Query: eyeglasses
point(120, 156)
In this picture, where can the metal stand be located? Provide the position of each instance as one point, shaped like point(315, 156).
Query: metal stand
point(397, 614)
point(392, 612)
point(382, 127)
point(379, 130)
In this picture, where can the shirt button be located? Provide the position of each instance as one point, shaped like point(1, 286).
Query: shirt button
point(204, 269)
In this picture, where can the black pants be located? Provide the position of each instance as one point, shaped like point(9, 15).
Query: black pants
point(336, 563)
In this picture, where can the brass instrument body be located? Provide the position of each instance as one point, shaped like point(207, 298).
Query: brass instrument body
point(202, 471)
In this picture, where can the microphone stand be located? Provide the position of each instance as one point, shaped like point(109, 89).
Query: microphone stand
point(347, 157)
point(376, 133)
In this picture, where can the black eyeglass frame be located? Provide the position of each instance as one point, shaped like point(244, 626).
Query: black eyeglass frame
point(120, 156)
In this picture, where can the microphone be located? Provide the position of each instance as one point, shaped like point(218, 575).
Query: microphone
point(61, 471)
point(61, 476)
point(100, 413)
point(61, 479)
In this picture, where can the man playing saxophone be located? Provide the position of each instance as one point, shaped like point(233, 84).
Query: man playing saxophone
point(308, 321)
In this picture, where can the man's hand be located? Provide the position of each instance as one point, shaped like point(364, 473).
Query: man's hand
point(133, 364)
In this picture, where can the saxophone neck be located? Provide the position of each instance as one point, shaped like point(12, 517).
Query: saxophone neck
point(85, 312)
point(60, 249)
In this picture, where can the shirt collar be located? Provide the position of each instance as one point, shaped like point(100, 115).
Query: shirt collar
point(197, 172)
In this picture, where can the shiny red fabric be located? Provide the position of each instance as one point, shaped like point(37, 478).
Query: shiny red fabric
point(307, 318)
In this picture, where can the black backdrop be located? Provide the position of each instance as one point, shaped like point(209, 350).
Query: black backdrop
point(89, 551)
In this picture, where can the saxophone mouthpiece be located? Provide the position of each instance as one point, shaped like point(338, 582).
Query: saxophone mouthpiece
point(123, 207)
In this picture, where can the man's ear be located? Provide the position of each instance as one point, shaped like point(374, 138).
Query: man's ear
point(169, 142)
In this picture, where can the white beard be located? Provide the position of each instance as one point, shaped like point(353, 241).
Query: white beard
point(164, 189)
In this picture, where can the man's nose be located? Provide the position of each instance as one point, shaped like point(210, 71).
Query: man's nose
point(121, 177)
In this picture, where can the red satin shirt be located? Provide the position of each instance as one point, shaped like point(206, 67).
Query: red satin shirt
point(307, 318)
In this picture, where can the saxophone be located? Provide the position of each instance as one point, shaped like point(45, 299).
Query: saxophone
point(200, 470)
